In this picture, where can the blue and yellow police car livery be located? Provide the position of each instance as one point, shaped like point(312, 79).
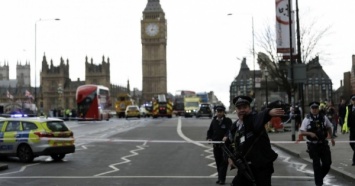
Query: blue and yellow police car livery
point(28, 138)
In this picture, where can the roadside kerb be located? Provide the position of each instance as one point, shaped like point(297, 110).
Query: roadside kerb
point(3, 166)
point(333, 169)
point(341, 152)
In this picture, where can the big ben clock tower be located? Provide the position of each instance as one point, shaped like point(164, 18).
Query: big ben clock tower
point(154, 36)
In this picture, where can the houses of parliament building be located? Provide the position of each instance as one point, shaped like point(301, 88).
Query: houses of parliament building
point(56, 90)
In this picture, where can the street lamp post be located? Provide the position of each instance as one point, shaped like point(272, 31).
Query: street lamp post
point(293, 127)
point(266, 74)
point(253, 37)
point(56, 19)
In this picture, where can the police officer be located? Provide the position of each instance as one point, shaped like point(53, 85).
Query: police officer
point(349, 124)
point(252, 144)
point(317, 127)
point(219, 129)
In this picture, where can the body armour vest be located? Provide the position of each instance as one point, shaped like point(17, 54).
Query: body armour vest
point(352, 116)
point(317, 126)
point(243, 139)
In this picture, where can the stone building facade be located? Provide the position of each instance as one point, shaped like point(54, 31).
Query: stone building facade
point(318, 86)
point(347, 85)
point(154, 40)
point(243, 84)
point(13, 91)
point(4, 72)
point(56, 89)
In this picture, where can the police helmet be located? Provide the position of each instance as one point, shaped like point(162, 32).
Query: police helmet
point(242, 100)
point(314, 104)
point(220, 108)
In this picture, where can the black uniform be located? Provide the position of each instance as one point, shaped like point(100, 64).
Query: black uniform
point(319, 150)
point(252, 142)
point(217, 130)
point(350, 118)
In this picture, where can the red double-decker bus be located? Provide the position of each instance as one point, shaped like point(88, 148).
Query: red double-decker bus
point(93, 102)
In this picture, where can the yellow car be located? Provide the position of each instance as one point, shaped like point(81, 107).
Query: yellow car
point(28, 138)
point(132, 111)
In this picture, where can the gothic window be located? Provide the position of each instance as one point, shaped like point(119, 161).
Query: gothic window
point(53, 86)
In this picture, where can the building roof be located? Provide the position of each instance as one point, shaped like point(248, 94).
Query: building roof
point(8, 83)
point(316, 74)
point(153, 6)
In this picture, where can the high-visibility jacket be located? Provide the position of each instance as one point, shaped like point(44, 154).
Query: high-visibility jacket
point(346, 127)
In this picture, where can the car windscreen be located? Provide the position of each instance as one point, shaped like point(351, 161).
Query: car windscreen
point(205, 109)
point(57, 126)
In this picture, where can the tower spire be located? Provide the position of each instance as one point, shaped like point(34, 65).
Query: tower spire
point(153, 6)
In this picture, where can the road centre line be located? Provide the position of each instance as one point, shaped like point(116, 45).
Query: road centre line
point(141, 177)
point(188, 140)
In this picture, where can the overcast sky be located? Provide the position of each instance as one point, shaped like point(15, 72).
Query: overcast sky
point(204, 43)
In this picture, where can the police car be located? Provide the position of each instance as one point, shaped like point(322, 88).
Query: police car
point(28, 138)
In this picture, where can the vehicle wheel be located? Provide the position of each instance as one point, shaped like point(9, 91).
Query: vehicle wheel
point(2, 157)
point(25, 154)
point(57, 157)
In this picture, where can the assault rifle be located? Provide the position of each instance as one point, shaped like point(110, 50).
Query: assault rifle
point(241, 163)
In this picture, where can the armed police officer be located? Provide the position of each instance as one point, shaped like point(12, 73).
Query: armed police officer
point(254, 156)
point(349, 124)
point(317, 127)
point(219, 129)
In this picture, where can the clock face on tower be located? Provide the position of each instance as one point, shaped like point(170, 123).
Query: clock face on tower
point(152, 29)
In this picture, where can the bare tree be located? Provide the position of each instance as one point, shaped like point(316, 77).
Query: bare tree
point(276, 66)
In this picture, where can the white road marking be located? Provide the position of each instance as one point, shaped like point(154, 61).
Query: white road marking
point(179, 131)
point(125, 160)
point(22, 169)
point(198, 143)
point(139, 177)
point(301, 167)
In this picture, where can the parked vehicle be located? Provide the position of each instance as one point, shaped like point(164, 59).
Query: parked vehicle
point(145, 110)
point(132, 111)
point(27, 138)
point(162, 107)
point(204, 111)
point(93, 102)
point(192, 104)
point(123, 101)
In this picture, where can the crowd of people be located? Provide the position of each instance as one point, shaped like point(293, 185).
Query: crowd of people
point(244, 144)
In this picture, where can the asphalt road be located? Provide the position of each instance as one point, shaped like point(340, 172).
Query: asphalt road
point(144, 152)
